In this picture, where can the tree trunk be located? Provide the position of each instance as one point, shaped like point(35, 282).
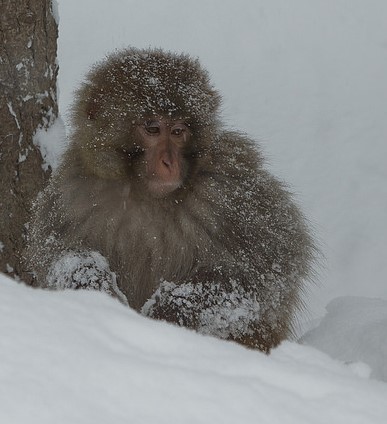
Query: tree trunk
point(28, 101)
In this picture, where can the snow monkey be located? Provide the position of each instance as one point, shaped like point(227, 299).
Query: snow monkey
point(158, 205)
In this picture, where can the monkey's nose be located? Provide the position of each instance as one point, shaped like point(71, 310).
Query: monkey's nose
point(168, 167)
point(167, 162)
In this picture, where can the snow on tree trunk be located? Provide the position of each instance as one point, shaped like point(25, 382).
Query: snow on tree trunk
point(28, 102)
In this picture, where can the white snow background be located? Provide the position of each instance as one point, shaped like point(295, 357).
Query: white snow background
point(308, 78)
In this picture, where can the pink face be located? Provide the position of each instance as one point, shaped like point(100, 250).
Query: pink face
point(163, 142)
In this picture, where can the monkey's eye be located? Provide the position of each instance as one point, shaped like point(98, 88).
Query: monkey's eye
point(152, 127)
point(178, 129)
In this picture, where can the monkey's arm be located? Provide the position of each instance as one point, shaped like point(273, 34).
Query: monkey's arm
point(87, 270)
point(224, 310)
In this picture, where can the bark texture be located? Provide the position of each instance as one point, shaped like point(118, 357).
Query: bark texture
point(28, 101)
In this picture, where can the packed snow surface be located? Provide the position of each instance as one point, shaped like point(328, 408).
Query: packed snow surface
point(82, 357)
point(354, 329)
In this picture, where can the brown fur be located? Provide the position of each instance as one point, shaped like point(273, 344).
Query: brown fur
point(231, 229)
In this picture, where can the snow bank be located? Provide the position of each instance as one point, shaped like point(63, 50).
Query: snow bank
point(82, 357)
point(354, 329)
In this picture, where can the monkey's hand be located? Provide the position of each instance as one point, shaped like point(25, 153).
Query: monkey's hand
point(208, 308)
point(85, 270)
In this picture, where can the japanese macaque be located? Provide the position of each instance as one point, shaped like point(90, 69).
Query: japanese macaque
point(158, 205)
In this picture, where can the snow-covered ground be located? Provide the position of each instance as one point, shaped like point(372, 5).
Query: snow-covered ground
point(354, 329)
point(82, 357)
point(307, 78)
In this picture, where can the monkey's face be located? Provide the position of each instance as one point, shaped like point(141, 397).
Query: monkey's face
point(163, 143)
point(129, 121)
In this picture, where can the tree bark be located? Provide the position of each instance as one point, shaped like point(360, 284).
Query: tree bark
point(28, 101)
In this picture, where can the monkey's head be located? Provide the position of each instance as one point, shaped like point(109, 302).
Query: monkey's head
point(146, 116)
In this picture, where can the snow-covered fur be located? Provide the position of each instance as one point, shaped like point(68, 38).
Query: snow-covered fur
point(226, 254)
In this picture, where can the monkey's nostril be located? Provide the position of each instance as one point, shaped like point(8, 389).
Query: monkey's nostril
point(166, 162)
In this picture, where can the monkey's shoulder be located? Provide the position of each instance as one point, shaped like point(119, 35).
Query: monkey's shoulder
point(245, 193)
point(236, 151)
point(239, 169)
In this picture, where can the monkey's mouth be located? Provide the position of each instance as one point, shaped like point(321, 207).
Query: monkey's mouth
point(159, 188)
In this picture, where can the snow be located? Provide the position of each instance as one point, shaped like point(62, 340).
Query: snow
point(224, 314)
point(307, 78)
point(82, 357)
point(354, 329)
point(52, 143)
point(12, 112)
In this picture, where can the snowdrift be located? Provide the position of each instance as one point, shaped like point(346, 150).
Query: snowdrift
point(82, 357)
point(354, 329)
